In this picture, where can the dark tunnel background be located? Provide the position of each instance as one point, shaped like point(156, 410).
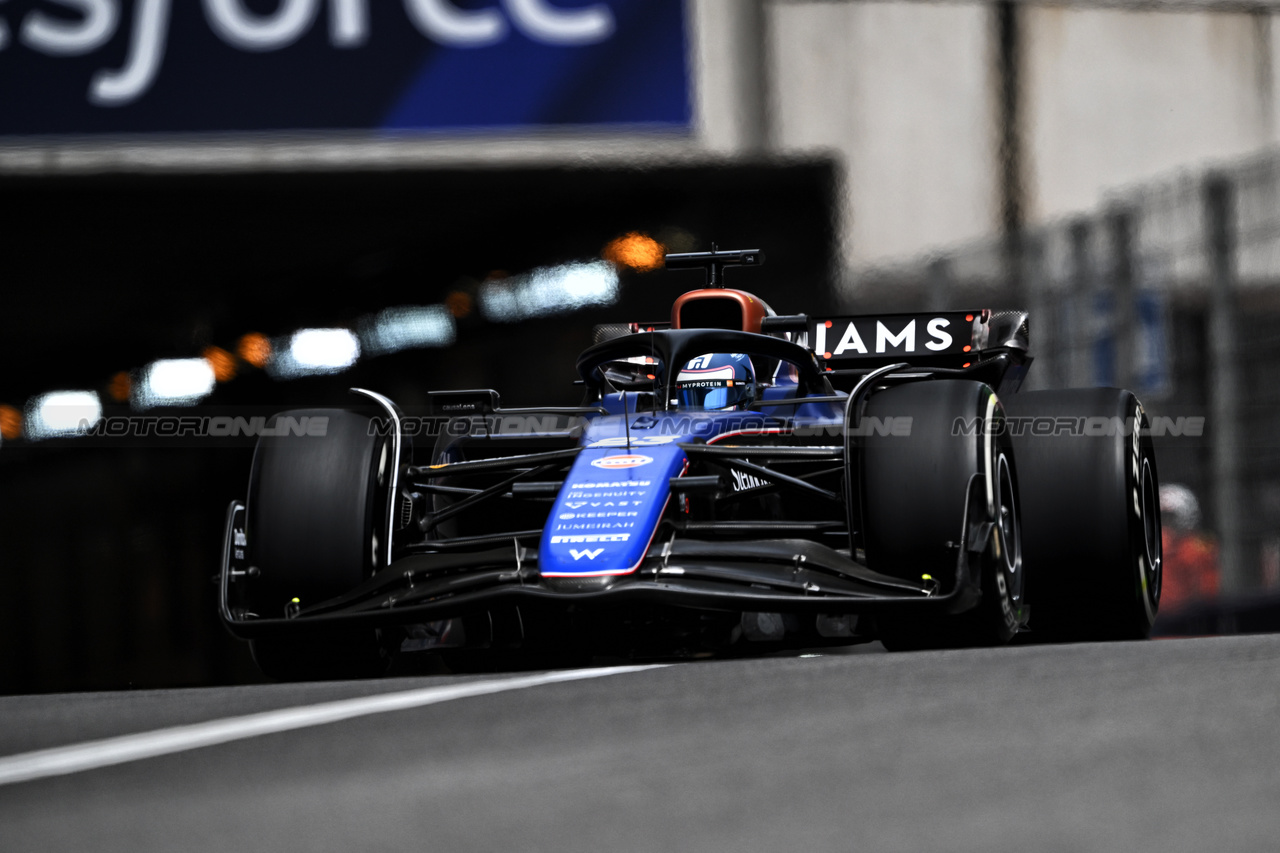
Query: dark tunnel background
point(107, 551)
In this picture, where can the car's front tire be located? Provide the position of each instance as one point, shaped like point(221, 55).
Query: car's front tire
point(914, 488)
point(312, 511)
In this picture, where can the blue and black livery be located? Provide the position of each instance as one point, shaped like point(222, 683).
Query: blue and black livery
point(869, 491)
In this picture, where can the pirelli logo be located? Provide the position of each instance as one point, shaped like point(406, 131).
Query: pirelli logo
point(581, 538)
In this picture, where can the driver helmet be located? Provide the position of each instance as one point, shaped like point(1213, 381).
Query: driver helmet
point(717, 381)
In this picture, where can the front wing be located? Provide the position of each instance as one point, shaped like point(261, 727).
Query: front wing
point(747, 574)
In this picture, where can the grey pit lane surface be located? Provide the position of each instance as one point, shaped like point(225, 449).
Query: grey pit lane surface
point(1169, 746)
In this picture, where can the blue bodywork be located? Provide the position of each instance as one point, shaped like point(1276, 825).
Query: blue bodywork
point(605, 516)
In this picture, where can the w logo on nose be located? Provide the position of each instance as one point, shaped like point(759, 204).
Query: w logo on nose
point(590, 555)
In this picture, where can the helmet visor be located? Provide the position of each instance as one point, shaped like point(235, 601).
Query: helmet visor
point(714, 388)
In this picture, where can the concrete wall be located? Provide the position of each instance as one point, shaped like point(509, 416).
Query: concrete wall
point(907, 95)
point(1116, 96)
point(903, 94)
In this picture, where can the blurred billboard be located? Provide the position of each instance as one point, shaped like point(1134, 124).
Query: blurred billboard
point(158, 66)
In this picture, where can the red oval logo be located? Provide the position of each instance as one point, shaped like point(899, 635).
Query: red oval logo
point(629, 460)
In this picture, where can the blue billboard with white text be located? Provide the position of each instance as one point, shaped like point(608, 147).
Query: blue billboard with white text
point(79, 67)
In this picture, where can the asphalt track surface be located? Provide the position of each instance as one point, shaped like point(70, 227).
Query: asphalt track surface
point(1164, 746)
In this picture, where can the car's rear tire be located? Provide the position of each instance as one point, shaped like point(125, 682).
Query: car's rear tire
point(1091, 513)
point(313, 503)
point(913, 500)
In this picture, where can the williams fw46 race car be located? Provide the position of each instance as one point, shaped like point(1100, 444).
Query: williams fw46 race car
point(734, 482)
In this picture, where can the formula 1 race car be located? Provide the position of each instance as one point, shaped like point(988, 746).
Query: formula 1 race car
point(734, 482)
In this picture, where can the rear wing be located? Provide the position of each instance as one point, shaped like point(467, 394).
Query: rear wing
point(954, 339)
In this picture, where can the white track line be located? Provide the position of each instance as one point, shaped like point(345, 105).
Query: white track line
point(89, 755)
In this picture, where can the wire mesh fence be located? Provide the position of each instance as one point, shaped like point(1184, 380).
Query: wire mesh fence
point(1172, 289)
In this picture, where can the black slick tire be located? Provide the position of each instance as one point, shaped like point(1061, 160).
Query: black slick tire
point(312, 513)
point(1091, 514)
point(914, 489)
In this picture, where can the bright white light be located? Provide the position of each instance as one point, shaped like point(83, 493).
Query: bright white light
point(61, 413)
point(173, 382)
point(407, 327)
point(549, 290)
point(310, 352)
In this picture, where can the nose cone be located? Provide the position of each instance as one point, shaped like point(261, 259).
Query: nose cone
point(608, 510)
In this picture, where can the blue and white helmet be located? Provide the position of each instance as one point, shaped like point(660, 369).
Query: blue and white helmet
point(717, 381)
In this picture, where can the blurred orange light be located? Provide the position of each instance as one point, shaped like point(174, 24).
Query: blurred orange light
point(10, 423)
point(255, 349)
point(636, 250)
point(222, 362)
point(459, 304)
point(120, 387)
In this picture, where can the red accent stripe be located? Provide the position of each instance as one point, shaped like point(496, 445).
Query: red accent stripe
point(769, 431)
